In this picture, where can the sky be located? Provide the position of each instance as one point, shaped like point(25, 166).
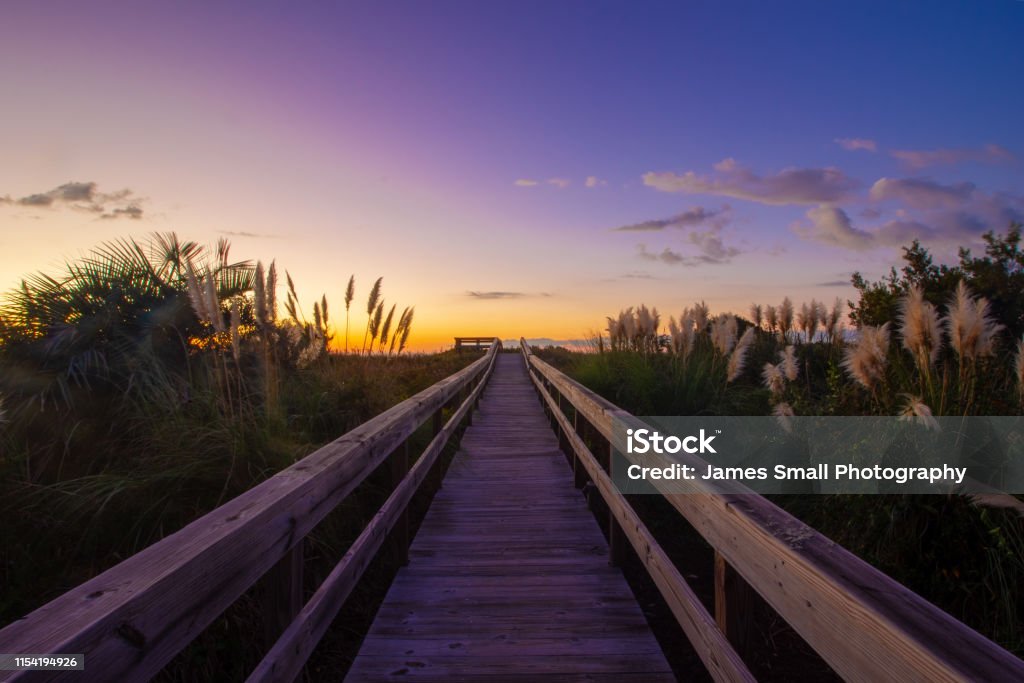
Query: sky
point(516, 168)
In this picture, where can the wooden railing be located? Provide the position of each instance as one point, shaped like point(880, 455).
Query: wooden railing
point(131, 620)
point(864, 624)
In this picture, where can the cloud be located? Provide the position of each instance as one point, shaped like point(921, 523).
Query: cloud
point(832, 225)
point(695, 216)
point(473, 294)
point(495, 295)
point(133, 212)
point(703, 232)
point(710, 247)
point(854, 144)
point(560, 183)
point(835, 283)
point(921, 193)
point(525, 182)
point(788, 186)
point(952, 214)
point(243, 233)
point(594, 181)
point(665, 256)
point(923, 158)
point(83, 197)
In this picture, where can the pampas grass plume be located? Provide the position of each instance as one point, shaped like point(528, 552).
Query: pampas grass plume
point(920, 328)
point(790, 367)
point(739, 355)
point(915, 410)
point(866, 360)
point(773, 379)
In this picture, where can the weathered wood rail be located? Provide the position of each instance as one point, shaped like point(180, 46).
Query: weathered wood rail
point(132, 619)
point(865, 625)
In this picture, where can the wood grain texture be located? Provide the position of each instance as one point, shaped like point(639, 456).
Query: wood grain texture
point(734, 606)
point(508, 578)
point(867, 626)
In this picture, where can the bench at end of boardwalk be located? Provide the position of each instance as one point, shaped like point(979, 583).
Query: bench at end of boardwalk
point(477, 343)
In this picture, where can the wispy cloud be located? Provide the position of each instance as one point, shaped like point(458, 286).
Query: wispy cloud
point(712, 249)
point(788, 186)
point(243, 233)
point(84, 197)
point(666, 255)
point(955, 214)
point(594, 181)
point(832, 225)
point(133, 212)
point(560, 183)
point(493, 295)
point(854, 144)
point(709, 246)
point(923, 158)
point(695, 216)
point(835, 283)
point(955, 210)
point(921, 192)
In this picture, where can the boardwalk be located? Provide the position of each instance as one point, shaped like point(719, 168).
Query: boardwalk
point(508, 578)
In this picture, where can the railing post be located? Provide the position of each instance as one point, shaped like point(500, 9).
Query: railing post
point(617, 541)
point(282, 593)
point(579, 473)
point(734, 604)
point(400, 532)
point(563, 439)
point(551, 412)
point(437, 470)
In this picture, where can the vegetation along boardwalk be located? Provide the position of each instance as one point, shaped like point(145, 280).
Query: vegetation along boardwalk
point(508, 577)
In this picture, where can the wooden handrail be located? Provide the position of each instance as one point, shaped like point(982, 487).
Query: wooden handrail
point(289, 654)
point(132, 619)
point(711, 645)
point(867, 626)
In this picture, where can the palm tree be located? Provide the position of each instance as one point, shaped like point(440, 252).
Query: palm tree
point(119, 318)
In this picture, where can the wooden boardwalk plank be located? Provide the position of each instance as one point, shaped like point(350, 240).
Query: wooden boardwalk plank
point(508, 578)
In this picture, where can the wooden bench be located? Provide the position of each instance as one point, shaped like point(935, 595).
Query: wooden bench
point(477, 343)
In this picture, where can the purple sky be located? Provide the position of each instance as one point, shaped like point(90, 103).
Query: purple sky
point(517, 168)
